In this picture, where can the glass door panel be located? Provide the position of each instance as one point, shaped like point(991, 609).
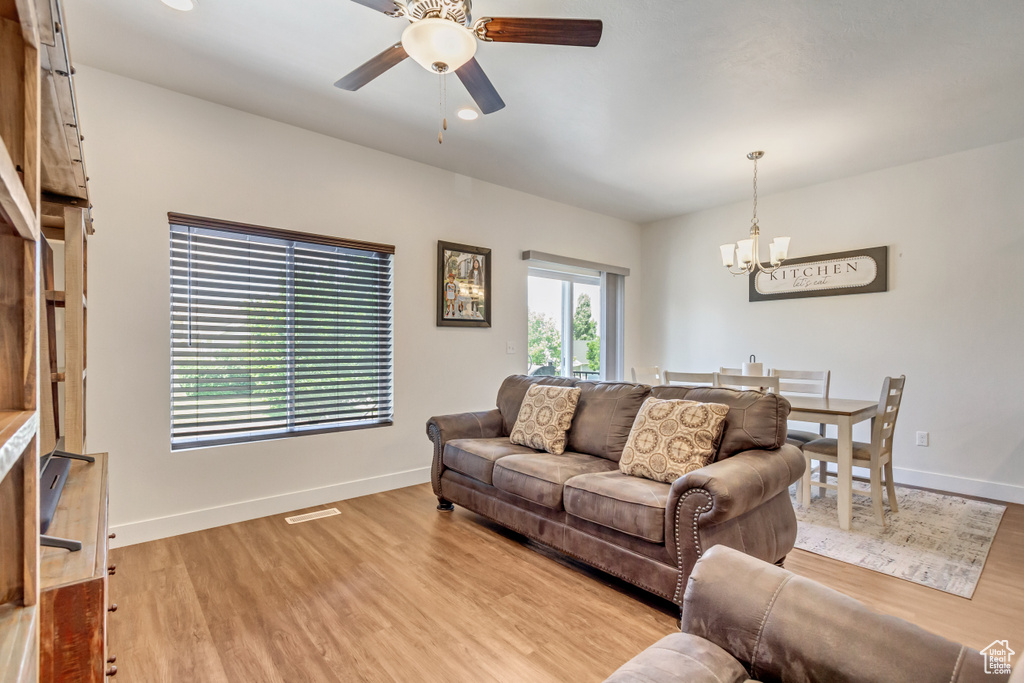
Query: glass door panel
point(564, 324)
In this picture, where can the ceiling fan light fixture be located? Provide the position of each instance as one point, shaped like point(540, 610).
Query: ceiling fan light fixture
point(180, 5)
point(438, 45)
point(467, 114)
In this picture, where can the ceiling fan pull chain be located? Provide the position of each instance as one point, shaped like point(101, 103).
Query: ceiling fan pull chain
point(444, 107)
point(440, 105)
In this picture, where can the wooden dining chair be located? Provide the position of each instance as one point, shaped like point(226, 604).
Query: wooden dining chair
point(803, 383)
point(690, 378)
point(756, 382)
point(649, 375)
point(876, 456)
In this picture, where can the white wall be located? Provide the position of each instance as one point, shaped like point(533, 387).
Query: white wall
point(151, 151)
point(952, 320)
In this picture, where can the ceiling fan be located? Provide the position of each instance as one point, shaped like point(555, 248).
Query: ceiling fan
point(441, 37)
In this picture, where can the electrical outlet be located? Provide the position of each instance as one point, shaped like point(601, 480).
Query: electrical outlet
point(922, 438)
point(510, 347)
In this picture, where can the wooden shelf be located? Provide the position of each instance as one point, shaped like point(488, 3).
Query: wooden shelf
point(19, 643)
point(17, 427)
point(82, 516)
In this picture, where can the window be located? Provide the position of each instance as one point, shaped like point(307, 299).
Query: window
point(576, 313)
point(275, 333)
point(565, 324)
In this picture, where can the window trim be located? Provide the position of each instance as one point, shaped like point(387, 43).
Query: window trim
point(250, 229)
point(190, 221)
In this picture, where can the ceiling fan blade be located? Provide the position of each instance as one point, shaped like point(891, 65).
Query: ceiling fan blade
point(373, 68)
point(581, 32)
point(480, 87)
point(385, 6)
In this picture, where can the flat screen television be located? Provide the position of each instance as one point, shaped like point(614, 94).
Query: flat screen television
point(53, 474)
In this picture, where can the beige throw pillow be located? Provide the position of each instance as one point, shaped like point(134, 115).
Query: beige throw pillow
point(545, 417)
point(671, 437)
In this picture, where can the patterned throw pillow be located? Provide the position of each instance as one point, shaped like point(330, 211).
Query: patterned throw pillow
point(671, 437)
point(545, 417)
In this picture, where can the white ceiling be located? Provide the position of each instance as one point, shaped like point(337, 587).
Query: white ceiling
point(654, 122)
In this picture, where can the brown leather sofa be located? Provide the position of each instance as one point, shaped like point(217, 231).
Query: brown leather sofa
point(646, 532)
point(743, 619)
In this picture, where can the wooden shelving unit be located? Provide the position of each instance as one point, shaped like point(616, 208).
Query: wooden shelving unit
point(20, 80)
point(40, 156)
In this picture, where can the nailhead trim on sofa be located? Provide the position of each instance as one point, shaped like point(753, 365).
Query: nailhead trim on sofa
point(696, 538)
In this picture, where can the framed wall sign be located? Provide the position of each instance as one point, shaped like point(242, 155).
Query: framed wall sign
point(860, 271)
point(463, 285)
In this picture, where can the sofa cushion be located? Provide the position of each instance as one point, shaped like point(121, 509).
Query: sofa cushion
point(628, 504)
point(476, 457)
point(544, 418)
point(672, 437)
point(681, 658)
point(539, 477)
point(513, 390)
point(604, 417)
point(755, 420)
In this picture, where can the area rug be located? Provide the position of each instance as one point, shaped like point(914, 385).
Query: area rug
point(936, 540)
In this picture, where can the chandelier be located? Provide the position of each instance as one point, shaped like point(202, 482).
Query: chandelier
point(746, 253)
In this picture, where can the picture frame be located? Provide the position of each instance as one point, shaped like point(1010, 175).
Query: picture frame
point(463, 285)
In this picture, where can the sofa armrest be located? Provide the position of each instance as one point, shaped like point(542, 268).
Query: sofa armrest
point(443, 428)
point(784, 627)
point(742, 501)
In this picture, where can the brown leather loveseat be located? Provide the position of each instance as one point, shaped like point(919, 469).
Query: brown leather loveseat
point(746, 620)
point(646, 532)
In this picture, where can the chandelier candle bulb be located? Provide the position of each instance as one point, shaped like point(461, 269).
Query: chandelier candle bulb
point(782, 247)
point(745, 251)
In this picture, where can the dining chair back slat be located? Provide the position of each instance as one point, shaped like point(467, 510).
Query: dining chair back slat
point(690, 378)
point(885, 420)
point(645, 375)
point(757, 382)
point(805, 382)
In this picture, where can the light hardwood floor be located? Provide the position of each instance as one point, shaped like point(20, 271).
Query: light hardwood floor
point(391, 590)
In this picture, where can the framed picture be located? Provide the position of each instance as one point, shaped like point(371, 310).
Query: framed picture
point(463, 285)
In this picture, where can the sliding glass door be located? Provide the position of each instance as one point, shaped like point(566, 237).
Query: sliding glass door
point(565, 324)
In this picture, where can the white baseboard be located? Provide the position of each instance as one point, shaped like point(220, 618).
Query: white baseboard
point(197, 520)
point(1009, 493)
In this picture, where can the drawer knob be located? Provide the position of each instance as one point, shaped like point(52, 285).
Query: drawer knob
point(112, 535)
point(112, 608)
point(111, 659)
point(112, 569)
point(111, 670)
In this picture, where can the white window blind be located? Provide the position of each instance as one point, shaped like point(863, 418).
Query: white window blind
point(275, 333)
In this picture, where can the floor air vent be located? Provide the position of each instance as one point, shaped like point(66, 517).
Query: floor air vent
point(319, 514)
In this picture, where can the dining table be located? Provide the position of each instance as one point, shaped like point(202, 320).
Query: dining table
point(844, 413)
